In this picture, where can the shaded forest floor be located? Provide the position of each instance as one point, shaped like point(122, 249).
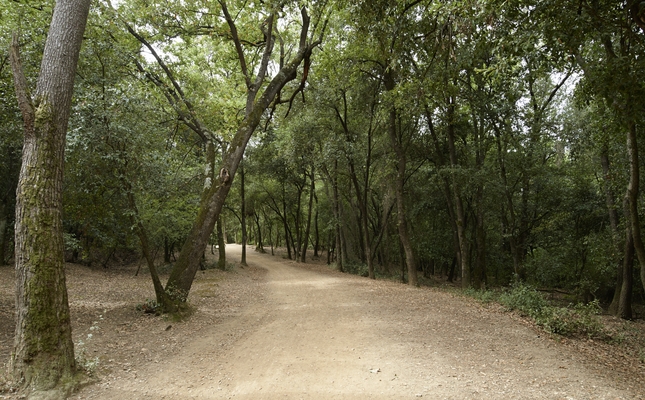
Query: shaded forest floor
point(278, 329)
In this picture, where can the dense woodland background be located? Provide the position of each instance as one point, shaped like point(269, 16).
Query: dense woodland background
point(475, 141)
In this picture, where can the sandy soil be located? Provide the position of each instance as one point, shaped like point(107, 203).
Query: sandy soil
point(281, 330)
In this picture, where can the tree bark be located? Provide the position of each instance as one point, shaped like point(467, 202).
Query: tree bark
point(43, 354)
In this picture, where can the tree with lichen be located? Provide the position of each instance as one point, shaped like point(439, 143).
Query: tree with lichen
point(43, 356)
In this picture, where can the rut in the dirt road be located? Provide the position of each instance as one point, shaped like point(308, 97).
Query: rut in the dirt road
point(319, 334)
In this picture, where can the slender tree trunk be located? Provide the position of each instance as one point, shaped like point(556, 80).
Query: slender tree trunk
point(447, 190)
point(459, 207)
point(398, 186)
point(479, 270)
point(624, 309)
point(613, 223)
point(343, 252)
point(305, 240)
point(316, 231)
point(480, 241)
point(297, 217)
point(337, 219)
point(259, 246)
point(221, 245)
point(363, 221)
point(633, 192)
point(162, 298)
point(243, 215)
point(43, 353)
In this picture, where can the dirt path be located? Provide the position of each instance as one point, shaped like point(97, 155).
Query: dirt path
point(311, 333)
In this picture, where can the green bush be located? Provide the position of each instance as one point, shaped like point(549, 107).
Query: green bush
point(524, 299)
point(581, 319)
point(485, 296)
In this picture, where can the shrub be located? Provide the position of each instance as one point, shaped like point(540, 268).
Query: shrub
point(580, 319)
point(485, 296)
point(525, 299)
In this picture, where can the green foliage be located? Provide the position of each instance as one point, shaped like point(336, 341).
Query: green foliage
point(524, 299)
point(577, 320)
point(485, 296)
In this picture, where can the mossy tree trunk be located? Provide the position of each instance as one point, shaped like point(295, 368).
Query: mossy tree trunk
point(43, 355)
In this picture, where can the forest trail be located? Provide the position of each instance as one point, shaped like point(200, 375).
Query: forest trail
point(319, 334)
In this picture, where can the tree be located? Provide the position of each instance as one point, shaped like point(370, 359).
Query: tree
point(43, 356)
point(183, 273)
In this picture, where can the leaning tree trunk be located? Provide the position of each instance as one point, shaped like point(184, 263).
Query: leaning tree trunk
point(43, 354)
point(182, 276)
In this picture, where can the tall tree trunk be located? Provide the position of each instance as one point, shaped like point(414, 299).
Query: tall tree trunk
point(399, 181)
point(305, 241)
point(624, 309)
point(613, 223)
point(480, 240)
point(447, 190)
point(162, 298)
point(243, 215)
point(316, 231)
point(459, 207)
point(343, 253)
point(337, 215)
point(43, 353)
point(479, 270)
point(259, 246)
point(633, 192)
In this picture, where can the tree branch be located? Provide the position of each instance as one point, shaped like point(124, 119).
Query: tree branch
point(268, 50)
point(236, 40)
point(22, 89)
